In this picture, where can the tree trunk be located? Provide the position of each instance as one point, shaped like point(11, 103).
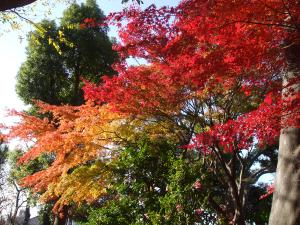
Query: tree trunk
point(60, 221)
point(46, 215)
point(76, 98)
point(239, 218)
point(26, 215)
point(286, 200)
point(62, 218)
point(17, 206)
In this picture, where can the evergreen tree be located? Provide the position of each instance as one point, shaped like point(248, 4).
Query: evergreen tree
point(57, 56)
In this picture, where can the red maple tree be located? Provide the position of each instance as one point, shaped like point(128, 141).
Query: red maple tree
point(207, 48)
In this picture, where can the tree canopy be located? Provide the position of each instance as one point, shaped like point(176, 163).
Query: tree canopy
point(59, 56)
point(220, 87)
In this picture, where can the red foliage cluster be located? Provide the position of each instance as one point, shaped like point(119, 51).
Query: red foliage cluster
point(270, 190)
point(195, 47)
point(63, 135)
point(141, 90)
point(91, 22)
point(262, 124)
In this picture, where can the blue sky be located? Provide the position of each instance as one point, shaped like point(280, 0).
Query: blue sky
point(12, 50)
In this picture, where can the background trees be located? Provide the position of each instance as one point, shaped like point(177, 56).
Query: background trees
point(53, 74)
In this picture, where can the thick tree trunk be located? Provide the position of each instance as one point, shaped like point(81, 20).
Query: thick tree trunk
point(26, 215)
point(286, 200)
point(76, 98)
point(60, 221)
point(239, 218)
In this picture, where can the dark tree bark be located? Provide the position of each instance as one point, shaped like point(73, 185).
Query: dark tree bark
point(11, 4)
point(26, 215)
point(62, 218)
point(286, 200)
point(13, 219)
point(46, 215)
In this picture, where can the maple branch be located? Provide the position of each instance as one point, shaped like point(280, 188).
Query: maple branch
point(22, 17)
point(265, 170)
point(232, 166)
point(135, 59)
point(183, 137)
point(242, 170)
point(259, 23)
point(28, 20)
point(222, 161)
point(241, 186)
point(217, 207)
point(237, 197)
point(254, 158)
point(288, 11)
point(116, 136)
point(21, 203)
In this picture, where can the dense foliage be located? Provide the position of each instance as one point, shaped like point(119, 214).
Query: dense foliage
point(185, 138)
point(57, 56)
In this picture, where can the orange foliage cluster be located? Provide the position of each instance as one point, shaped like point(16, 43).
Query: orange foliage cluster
point(73, 136)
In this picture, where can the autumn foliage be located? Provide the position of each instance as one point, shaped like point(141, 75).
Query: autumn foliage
point(212, 82)
point(69, 137)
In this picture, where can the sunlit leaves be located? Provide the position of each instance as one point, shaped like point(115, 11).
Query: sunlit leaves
point(211, 82)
